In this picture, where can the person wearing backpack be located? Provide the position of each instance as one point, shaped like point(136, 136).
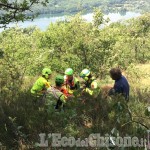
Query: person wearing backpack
point(55, 95)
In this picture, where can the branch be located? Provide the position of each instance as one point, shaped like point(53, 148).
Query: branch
point(135, 122)
point(8, 6)
point(15, 11)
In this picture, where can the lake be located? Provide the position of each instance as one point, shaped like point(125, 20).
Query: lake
point(44, 21)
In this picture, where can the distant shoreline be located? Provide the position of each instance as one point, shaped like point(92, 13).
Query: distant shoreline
point(43, 21)
point(140, 6)
point(62, 8)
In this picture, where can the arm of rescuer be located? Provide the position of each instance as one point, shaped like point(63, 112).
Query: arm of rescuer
point(40, 86)
point(63, 98)
point(93, 87)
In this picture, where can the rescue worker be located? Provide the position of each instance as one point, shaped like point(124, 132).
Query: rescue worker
point(121, 85)
point(42, 84)
point(72, 83)
point(54, 93)
point(90, 81)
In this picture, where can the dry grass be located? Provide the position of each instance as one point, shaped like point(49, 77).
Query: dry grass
point(144, 70)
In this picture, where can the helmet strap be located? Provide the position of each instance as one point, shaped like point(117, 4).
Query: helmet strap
point(45, 76)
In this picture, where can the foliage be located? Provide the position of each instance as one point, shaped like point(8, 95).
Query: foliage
point(77, 44)
point(107, 6)
point(14, 11)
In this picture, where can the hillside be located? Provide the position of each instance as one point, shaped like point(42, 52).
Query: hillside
point(76, 44)
point(70, 6)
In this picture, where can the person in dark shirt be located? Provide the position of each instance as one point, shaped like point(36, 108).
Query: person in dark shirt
point(121, 85)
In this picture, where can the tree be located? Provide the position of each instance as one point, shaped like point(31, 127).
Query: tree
point(14, 11)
